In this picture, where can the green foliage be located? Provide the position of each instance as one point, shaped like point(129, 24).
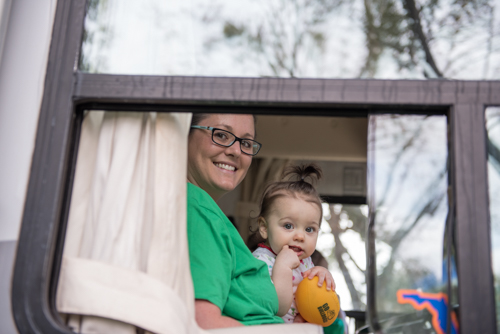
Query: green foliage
point(385, 25)
point(288, 31)
point(96, 35)
point(230, 30)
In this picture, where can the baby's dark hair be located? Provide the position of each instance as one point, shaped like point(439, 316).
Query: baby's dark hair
point(295, 180)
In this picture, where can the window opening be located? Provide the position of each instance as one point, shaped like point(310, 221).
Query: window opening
point(338, 146)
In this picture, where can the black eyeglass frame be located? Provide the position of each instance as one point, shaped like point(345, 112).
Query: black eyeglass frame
point(236, 138)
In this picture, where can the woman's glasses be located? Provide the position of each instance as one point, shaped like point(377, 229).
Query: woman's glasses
point(226, 139)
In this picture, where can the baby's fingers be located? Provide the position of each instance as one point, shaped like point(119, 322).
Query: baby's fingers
point(330, 283)
point(306, 273)
point(321, 279)
point(312, 272)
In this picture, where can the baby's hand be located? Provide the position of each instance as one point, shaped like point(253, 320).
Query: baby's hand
point(323, 275)
point(299, 319)
point(288, 258)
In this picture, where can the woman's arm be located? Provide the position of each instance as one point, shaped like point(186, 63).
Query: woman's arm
point(209, 316)
point(286, 261)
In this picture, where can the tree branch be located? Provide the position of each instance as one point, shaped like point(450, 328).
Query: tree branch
point(412, 11)
point(339, 250)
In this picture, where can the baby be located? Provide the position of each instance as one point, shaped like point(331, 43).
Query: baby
point(289, 222)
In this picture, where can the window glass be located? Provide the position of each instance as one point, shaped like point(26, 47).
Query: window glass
point(299, 38)
point(342, 242)
point(493, 128)
point(408, 180)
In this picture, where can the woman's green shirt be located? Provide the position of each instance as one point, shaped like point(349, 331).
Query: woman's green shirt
point(224, 271)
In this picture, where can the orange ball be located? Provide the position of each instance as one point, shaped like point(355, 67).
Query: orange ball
point(316, 304)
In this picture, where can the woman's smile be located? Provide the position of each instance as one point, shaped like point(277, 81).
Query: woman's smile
point(214, 168)
point(226, 167)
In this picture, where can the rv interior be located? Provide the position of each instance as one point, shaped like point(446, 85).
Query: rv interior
point(338, 145)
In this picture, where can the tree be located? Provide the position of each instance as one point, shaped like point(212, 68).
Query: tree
point(426, 38)
point(410, 204)
point(286, 34)
point(96, 37)
point(352, 213)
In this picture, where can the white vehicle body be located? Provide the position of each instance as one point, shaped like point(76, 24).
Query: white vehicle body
point(29, 66)
point(25, 34)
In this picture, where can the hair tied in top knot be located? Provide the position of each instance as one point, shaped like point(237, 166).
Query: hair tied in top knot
point(309, 173)
point(294, 181)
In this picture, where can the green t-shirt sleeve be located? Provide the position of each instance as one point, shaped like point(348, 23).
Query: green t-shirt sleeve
point(336, 328)
point(210, 252)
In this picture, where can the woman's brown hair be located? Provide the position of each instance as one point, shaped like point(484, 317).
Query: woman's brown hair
point(197, 118)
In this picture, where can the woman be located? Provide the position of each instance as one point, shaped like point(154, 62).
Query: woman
point(232, 288)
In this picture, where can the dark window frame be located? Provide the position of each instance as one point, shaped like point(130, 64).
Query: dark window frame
point(67, 92)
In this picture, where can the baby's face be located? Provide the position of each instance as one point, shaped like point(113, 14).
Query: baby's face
point(294, 222)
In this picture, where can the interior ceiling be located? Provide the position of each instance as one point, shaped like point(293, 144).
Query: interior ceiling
point(311, 137)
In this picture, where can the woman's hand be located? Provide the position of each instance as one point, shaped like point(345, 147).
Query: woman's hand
point(288, 258)
point(323, 275)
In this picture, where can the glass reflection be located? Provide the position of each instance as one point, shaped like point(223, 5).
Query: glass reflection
point(493, 128)
point(342, 242)
point(294, 38)
point(409, 179)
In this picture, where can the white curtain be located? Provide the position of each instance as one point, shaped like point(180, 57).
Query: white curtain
point(125, 260)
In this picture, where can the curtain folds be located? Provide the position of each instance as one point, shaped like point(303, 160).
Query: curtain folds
point(126, 241)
